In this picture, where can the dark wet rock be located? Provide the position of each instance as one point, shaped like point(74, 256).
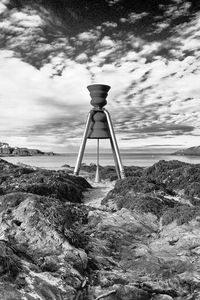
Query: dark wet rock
point(42, 239)
point(109, 172)
point(162, 297)
point(10, 264)
point(148, 237)
point(167, 188)
point(9, 292)
point(42, 182)
point(66, 166)
point(181, 177)
point(37, 249)
point(128, 248)
point(143, 243)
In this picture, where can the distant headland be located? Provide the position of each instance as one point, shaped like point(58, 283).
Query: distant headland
point(189, 151)
point(7, 150)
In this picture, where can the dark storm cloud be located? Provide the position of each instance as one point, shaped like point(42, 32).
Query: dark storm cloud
point(62, 22)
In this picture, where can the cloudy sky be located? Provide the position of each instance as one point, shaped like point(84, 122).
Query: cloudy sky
point(149, 53)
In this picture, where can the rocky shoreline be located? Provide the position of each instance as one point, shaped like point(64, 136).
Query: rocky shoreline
point(192, 151)
point(136, 238)
point(7, 150)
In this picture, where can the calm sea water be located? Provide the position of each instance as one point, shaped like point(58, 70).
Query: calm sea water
point(128, 159)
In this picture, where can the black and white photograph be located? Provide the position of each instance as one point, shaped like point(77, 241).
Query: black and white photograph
point(99, 149)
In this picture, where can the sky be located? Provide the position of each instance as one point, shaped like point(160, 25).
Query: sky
point(149, 53)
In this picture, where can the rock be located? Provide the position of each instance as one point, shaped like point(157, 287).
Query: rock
point(109, 172)
point(41, 237)
point(33, 227)
point(151, 240)
point(68, 169)
point(142, 244)
point(167, 189)
point(41, 182)
point(10, 264)
point(128, 292)
point(66, 166)
point(162, 297)
point(9, 292)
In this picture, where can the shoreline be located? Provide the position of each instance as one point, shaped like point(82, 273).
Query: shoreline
point(58, 161)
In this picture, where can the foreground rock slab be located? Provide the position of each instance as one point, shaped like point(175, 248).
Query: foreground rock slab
point(41, 255)
point(60, 240)
point(149, 237)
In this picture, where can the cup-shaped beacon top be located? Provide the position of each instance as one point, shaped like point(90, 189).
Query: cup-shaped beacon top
point(98, 93)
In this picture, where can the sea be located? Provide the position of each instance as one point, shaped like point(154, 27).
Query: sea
point(58, 161)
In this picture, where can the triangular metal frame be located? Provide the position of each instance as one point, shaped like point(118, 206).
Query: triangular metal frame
point(116, 154)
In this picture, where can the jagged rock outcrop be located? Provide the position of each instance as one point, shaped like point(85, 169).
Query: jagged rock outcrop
point(40, 246)
point(142, 243)
point(41, 182)
point(6, 150)
point(147, 240)
point(109, 172)
point(36, 255)
point(188, 151)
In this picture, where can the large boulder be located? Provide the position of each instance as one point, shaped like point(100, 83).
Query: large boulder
point(147, 237)
point(131, 250)
point(42, 240)
point(42, 182)
point(36, 253)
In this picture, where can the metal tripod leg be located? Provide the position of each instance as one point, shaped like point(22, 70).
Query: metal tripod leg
point(115, 160)
point(83, 143)
point(116, 149)
point(97, 176)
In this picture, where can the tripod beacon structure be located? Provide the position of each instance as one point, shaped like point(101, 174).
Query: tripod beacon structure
point(99, 126)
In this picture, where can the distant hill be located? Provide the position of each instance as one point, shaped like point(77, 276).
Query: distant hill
point(188, 151)
point(7, 150)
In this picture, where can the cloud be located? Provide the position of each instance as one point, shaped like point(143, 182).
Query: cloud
point(87, 36)
point(112, 2)
point(154, 74)
point(110, 24)
point(134, 17)
point(32, 104)
point(24, 20)
point(163, 128)
point(3, 8)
